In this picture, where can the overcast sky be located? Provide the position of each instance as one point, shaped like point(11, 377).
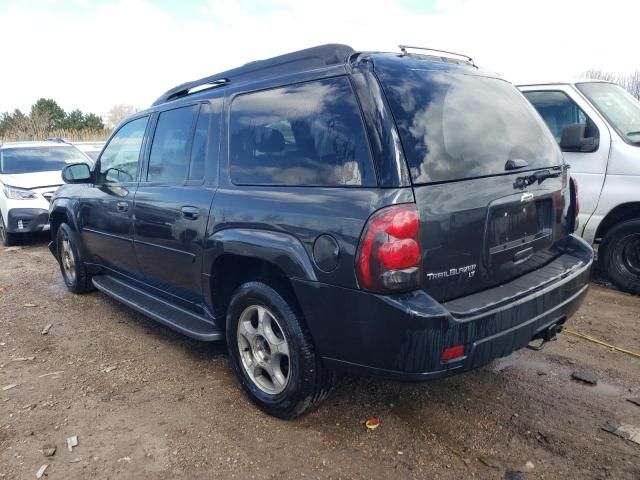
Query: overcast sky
point(92, 54)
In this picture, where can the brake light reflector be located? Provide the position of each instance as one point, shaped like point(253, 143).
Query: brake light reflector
point(399, 253)
point(574, 183)
point(452, 353)
point(389, 257)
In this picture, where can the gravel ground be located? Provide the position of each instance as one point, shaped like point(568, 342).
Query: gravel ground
point(145, 402)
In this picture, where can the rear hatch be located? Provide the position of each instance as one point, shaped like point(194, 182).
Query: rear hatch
point(489, 179)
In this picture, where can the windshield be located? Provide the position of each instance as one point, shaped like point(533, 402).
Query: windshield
point(618, 106)
point(92, 154)
point(455, 126)
point(38, 159)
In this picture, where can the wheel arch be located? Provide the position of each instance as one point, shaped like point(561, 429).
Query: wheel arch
point(61, 211)
point(621, 213)
point(242, 255)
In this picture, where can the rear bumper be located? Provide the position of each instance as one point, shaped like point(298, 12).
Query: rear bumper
point(23, 220)
point(403, 336)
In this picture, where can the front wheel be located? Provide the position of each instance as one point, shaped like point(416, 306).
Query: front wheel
point(6, 239)
point(72, 267)
point(619, 255)
point(272, 352)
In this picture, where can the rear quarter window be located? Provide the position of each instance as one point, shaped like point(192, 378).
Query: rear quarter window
point(308, 134)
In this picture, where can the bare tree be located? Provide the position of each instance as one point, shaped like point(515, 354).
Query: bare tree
point(630, 82)
point(118, 113)
point(29, 127)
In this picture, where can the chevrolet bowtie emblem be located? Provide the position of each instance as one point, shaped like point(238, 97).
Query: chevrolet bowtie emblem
point(526, 197)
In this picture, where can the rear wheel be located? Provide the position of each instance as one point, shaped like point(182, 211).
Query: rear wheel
point(73, 270)
point(272, 352)
point(619, 255)
point(7, 239)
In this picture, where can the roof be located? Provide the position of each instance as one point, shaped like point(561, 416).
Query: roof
point(307, 59)
point(393, 61)
point(34, 144)
point(572, 81)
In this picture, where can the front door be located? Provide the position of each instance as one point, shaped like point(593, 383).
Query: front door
point(106, 212)
point(560, 106)
point(173, 200)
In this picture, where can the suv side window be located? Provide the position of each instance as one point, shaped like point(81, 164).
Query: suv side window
point(558, 111)
point(200, 144)
point(305, 134)
point(119, 160)
point(169, 157)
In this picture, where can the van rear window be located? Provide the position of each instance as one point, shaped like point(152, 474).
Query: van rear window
point(455, 126)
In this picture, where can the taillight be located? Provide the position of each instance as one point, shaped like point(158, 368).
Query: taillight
point(389, 256)
point(574, 183)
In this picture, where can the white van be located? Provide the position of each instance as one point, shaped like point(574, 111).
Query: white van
point(597, 125)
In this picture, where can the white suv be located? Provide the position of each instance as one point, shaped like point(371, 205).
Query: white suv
point(597, 125)
point(29, 175)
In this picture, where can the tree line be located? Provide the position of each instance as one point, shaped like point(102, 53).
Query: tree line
point(630, 82)
point(45, 119)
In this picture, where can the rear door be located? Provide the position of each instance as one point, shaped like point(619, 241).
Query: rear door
point(559, 106)
point(174, 197)
point(475, 148)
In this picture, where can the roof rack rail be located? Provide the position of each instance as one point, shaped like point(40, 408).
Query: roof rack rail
point(403, 49)
point(310, 58)
point(57, 139)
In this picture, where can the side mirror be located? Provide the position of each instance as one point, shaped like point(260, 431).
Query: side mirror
point(573, 139)
point(76, 173)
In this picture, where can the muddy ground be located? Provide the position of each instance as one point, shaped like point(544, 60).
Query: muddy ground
point(145, 402)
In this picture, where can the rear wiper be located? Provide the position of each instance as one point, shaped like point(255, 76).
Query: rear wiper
point(515, 164)
point(539, 176)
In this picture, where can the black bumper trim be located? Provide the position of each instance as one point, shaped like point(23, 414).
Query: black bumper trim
point(34, 219)
point(404, 335)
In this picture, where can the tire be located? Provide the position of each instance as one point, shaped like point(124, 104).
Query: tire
point(303, 380)
point(7, 239)
point(74, 272)
point(619, 255)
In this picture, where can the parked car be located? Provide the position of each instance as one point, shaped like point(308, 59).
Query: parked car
point(29, 174)
point(400, 214)
point(597, 125)
point(90, 149)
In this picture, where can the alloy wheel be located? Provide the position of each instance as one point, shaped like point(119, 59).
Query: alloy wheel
point(68, 261)
point(264, 350)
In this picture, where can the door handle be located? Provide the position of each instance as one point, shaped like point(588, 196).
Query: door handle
point(122, 206)
point(190, 213)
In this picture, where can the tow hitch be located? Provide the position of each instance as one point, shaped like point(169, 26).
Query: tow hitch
point(545, 335)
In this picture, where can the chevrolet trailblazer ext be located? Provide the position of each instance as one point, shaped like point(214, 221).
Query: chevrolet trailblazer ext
point(406, 215)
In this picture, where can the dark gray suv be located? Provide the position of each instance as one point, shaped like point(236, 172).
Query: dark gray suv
point(400, 214)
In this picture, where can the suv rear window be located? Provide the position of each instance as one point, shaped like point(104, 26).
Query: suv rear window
point(304, 134)
point(455, 126)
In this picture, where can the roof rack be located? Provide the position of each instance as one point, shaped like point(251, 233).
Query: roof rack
point(310, 58)
point(403, 49)
point(57, 139)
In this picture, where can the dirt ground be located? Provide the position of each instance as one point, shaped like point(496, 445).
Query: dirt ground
point(146, 402)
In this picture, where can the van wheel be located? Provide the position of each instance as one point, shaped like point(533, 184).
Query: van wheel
point(619, 255)
point(272, 353)
point(7, 239)
point(74, 272)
